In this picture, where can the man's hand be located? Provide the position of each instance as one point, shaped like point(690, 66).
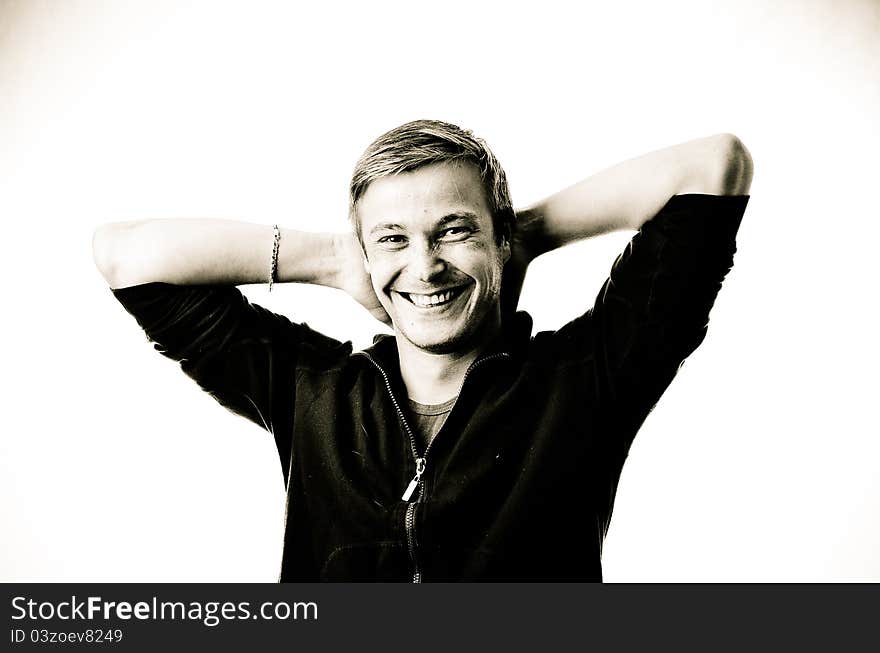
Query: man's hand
point(522, 253)
point(354, 279)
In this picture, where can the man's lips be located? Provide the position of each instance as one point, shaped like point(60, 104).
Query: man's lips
point(433, 299)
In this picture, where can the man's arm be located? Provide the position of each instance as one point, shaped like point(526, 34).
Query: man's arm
point(177, 278)
point(628, 194)
point(624, 196)
point(206, 252)
point(227, 252)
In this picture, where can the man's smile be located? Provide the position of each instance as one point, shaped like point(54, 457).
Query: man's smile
point(433, 299)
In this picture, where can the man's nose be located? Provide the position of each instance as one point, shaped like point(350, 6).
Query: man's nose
point(426, 262)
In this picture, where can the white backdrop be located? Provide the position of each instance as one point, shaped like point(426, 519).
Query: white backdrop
point(759, 464)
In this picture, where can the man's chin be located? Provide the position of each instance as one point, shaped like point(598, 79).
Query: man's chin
point(448, 335)
point(441, 348)
point(436, 344)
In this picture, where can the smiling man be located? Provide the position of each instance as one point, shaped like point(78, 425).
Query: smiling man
point(435, 261)
point(433, 256)
point(463, 447)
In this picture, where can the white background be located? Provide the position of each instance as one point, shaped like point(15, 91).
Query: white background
point(759, 464)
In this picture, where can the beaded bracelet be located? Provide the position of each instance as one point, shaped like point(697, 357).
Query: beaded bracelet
point(273, 269)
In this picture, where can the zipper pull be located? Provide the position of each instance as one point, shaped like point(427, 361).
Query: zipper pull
point(413, 484)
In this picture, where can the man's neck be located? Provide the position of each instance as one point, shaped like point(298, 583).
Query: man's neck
point(432, 378)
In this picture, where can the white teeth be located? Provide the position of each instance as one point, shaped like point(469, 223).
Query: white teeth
point(427, 301)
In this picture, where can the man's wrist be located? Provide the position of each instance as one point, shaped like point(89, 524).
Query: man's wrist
point(344, 251)
point(531, 239)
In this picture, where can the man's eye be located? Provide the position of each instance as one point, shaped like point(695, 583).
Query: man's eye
point(393, 239)
point(454, 233)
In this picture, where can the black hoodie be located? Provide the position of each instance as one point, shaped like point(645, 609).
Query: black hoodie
point(520, 481)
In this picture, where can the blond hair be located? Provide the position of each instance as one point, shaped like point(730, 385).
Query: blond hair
point(424, 142)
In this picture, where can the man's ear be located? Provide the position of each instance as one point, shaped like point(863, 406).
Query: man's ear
point(505, 246)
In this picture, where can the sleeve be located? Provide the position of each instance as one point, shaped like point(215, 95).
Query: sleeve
point(653, 310)
point(244, 355)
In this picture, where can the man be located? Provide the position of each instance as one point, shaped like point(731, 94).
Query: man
point(462, 447)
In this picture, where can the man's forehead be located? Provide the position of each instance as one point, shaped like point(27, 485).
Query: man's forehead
point(445, 187)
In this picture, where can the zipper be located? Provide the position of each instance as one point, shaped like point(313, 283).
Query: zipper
point(413, 484)
point(470, 369)
point(409, 522)
point(416, 482)
point(420, 469)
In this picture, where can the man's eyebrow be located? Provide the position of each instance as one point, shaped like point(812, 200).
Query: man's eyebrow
point(458, 215)
point(442, 222)
point(389, 226)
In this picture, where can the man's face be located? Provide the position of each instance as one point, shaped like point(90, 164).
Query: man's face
point(432, 255)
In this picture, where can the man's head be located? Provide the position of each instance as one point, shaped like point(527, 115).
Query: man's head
point(421, 143)
point(433, 213)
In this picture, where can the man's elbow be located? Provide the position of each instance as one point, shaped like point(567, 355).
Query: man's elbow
point(733, 167)
point(102, 252)
point(113, 254)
